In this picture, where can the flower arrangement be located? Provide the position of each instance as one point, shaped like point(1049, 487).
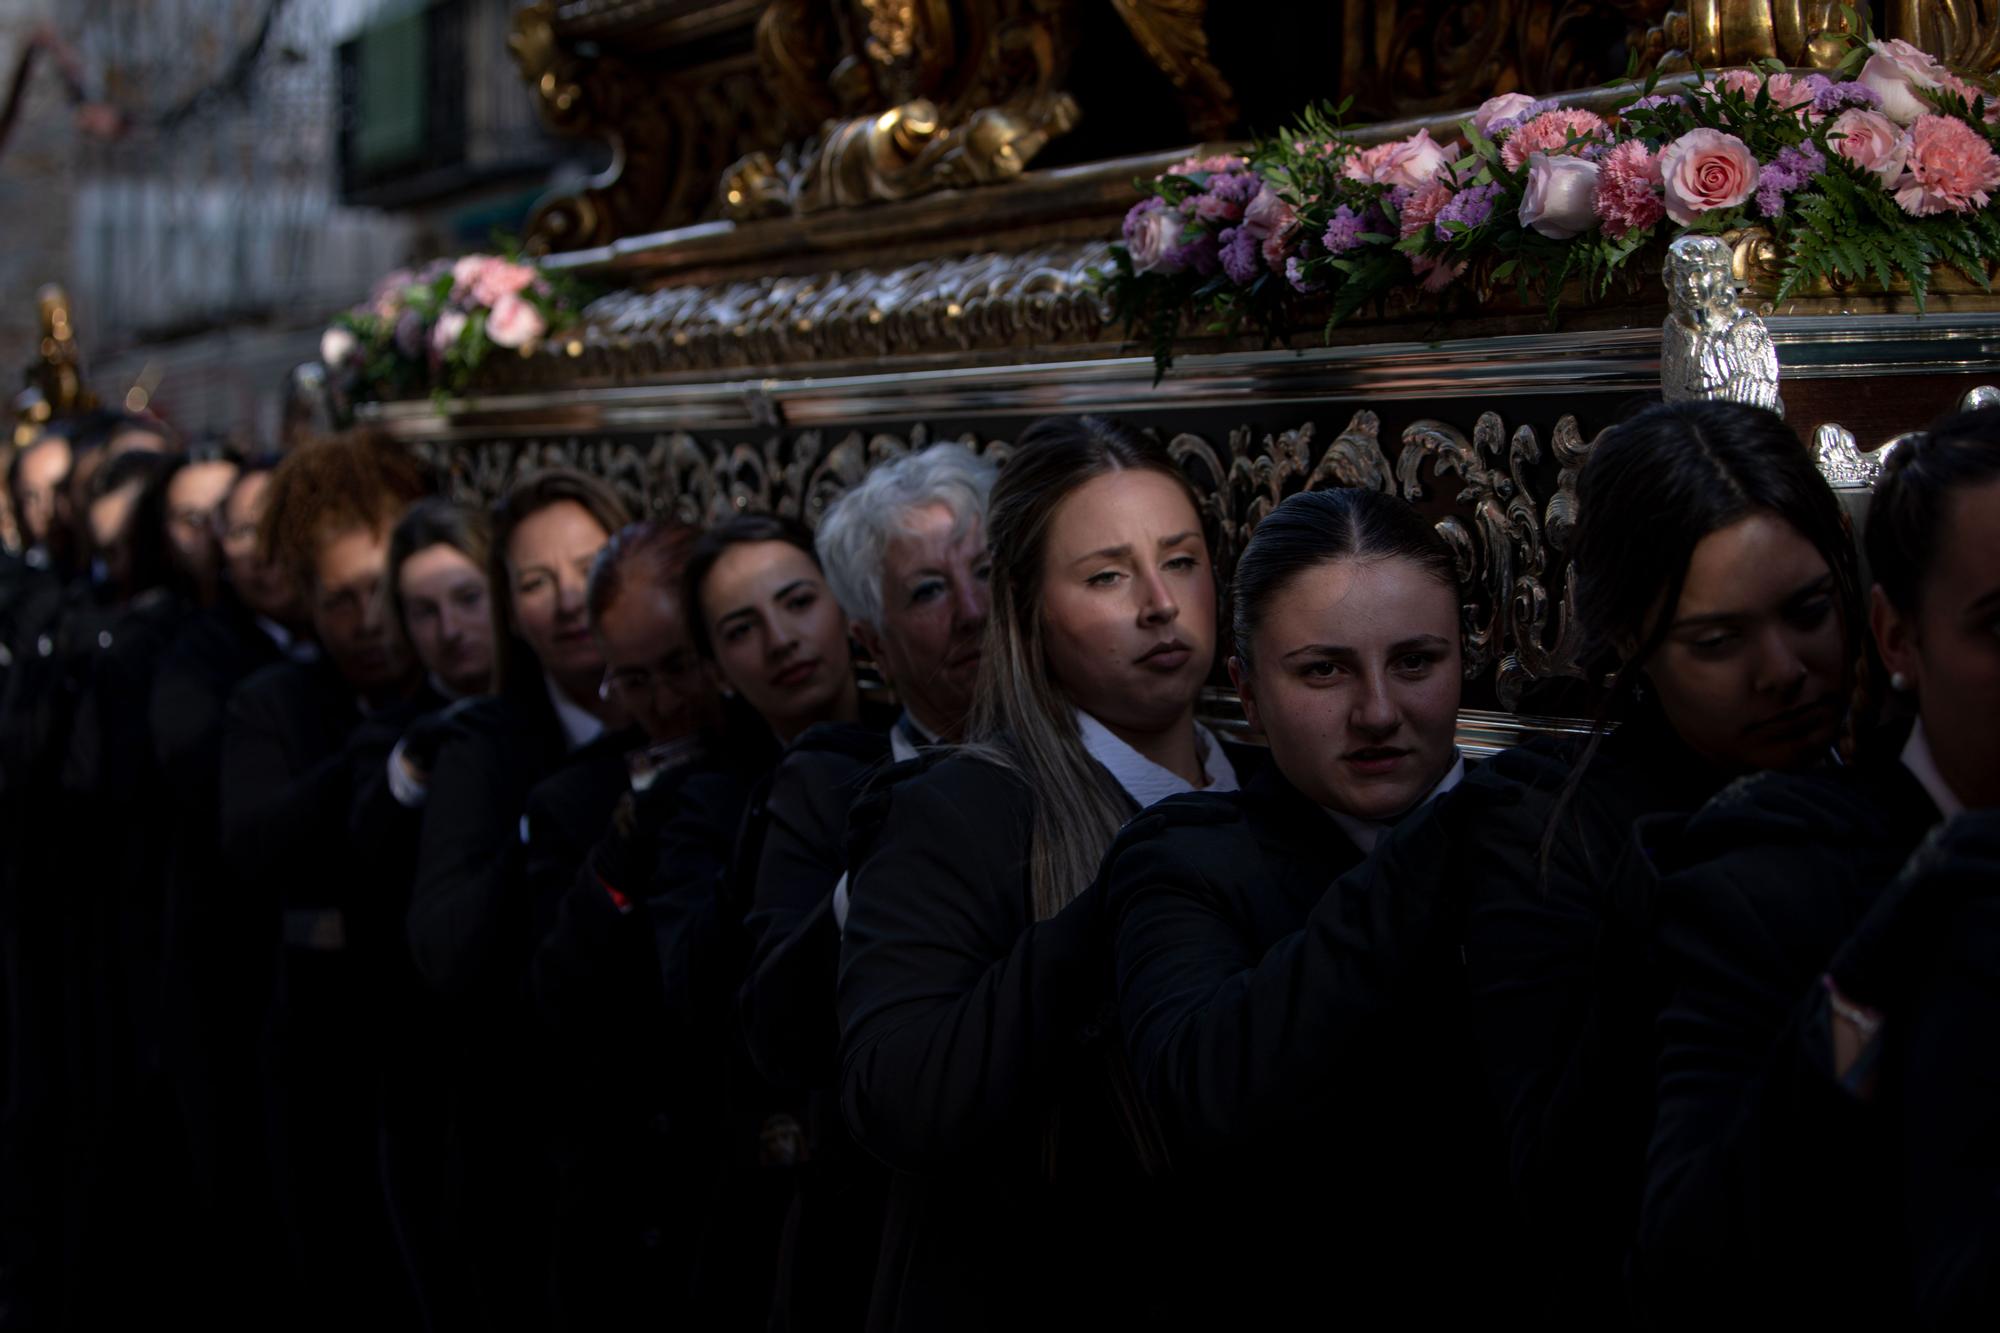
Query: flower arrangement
point(431, 328)
point(1884, 170)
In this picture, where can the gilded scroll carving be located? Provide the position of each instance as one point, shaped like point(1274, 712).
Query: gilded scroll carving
point(909, 97)
point(1519, 616)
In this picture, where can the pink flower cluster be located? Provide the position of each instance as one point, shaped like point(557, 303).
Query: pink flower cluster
point(1564, 130)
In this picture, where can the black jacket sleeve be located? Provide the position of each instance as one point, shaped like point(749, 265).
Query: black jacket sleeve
point(1231, 1042)
point(467, 901)
point(1563, 1003)
point(276, 807)
point(1762, 1168)
point(953, 1003)
point(1951, 1090)
point(786, 1003)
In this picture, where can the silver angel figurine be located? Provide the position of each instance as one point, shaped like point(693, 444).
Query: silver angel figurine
point(1713, 346)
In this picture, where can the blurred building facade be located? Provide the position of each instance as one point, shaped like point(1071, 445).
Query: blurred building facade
point(261, 178)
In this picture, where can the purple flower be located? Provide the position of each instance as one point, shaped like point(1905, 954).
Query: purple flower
point(1654, 102)
point(409, 334)
point(1198, 253)
point(1468, 208)
point(1788, 171)
point(1295, 273)
point(1239, 255)
point(1344, 232)
point(1837, 97)
point(1514, 122)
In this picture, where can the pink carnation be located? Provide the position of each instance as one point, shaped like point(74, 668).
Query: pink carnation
point(1549, 133)
point(484, 279)
point(1628, 189)
point(1213, 166)
point(1420, 210)
point(1972, 92)
point(1790, 92)
point(1743, 81)
point(1950, 169)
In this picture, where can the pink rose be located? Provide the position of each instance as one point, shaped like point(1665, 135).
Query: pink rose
point(1557, 202)
point(1270, 219)
point(1504, 107)
point(1704, 170)
point(1871, 141)
point(1413, 161)
point(514, 322)
point(1896, 73)
point(1152, 235)
point(1564, 130)
point(1950, 169)
point(1628, 189)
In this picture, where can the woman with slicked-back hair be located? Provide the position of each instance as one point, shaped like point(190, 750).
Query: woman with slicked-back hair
point(973, 1057)
point(1297, 1035)
point(1808, 992)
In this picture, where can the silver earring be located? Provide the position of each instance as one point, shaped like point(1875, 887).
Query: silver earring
point(1899, 682)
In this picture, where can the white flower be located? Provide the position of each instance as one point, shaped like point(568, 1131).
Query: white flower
point(1558, 202)
point(1896, 72)
point(336, 345)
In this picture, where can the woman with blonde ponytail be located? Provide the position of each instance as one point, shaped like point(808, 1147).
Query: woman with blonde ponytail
point(972, 967)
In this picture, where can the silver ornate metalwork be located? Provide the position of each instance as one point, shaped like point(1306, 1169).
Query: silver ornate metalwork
point(1712, 345)
point(1978, 397)
point(1841, 460)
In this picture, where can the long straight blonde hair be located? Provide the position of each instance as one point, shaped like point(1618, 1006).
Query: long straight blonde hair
point(1021, 719)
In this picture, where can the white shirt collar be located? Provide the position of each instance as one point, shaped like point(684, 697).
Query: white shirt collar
point(289, 645)
point(1917, 758)
point(1145, 781)
point(579, 727)
point(1364, 832)
point(902, 748)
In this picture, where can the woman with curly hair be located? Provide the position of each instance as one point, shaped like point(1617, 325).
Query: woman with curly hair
point(293, 753)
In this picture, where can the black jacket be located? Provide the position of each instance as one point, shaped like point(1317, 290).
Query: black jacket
point(826, 1265)
point(1948, 1098)
point(1565, 992)
point(1294, 1017)
point(642, 1061)
point(1766, 1180)
point(974, 1063)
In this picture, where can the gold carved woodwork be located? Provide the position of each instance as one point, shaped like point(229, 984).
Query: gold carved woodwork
point(1174, 35)
point(910, 96)
point(1519, 610)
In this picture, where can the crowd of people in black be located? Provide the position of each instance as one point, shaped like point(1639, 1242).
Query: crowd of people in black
point(421, 917)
